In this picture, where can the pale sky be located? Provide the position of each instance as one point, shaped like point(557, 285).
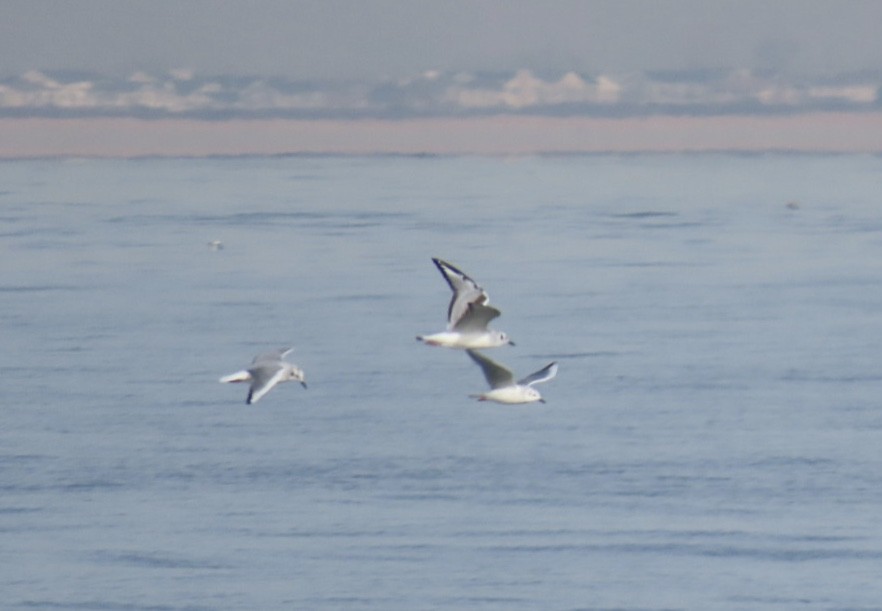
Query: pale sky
point(374, 39)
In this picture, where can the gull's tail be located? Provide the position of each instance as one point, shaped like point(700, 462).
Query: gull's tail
point(239, 376)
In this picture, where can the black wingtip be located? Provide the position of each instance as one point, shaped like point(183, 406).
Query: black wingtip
point(441, 264)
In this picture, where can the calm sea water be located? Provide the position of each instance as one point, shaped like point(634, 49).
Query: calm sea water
point(713, 439)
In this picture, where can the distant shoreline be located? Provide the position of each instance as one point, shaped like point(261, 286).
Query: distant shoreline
point(817, 132)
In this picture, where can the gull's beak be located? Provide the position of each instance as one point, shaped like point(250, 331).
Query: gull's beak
point(541, 400)
point(303, 384)
point(511, 343)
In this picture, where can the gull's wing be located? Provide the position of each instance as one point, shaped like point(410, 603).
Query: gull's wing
point(272, 355)
point(264, 378)
point(465, 291)
point(543, 375)
point(496, 375)
point(476, 318)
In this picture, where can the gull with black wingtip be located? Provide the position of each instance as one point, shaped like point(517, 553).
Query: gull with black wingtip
point(503, 388)
point(266, 371)
point(467, 315)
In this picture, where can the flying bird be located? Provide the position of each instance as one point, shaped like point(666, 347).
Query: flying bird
point(266, 371)
point(467, 315)
point(503, 388)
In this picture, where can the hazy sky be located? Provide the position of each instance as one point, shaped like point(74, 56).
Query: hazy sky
point(398, 38)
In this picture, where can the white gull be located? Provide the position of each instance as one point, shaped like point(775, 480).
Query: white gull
point(467, 315)
point(266, 371)
point(503, 388)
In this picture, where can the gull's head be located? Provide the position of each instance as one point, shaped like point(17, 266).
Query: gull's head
point(297, 374)
point(503, 339)
point(531, 394)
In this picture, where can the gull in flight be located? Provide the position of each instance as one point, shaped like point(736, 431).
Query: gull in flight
point(267, 370)
point(503, 388)
point(467, 315)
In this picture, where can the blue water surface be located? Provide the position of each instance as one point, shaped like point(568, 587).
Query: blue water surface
point(712, 440)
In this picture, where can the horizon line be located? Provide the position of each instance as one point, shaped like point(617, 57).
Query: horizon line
point(822, 132)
